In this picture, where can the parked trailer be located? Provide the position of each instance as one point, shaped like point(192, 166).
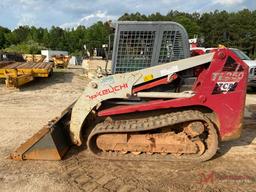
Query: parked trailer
point(20, 73)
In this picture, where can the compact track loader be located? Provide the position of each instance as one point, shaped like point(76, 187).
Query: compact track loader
point(179, 110)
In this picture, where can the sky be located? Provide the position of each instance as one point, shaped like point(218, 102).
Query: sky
point(69, 14)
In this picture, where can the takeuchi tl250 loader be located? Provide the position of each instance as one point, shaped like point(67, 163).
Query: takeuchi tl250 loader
point(144, 115)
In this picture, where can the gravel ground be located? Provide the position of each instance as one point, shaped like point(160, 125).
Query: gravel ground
point(23, 112)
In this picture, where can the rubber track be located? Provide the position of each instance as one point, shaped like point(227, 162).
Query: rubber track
point(151, 123)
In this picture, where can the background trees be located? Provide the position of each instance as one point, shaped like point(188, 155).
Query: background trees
point(232, 29)
point(31, 40)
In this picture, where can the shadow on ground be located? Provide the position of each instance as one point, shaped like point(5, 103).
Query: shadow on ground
point(60, 76)
point(248, 134)
point(250, 91)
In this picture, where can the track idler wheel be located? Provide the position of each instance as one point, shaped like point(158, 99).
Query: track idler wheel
point(194, 128)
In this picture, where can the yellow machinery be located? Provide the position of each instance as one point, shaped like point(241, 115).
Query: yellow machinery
point(17, 73)
point(60, 61)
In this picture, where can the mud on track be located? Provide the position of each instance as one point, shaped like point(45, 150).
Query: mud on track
point(24, 112)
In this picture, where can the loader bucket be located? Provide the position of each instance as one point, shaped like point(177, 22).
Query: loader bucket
point(50, 143)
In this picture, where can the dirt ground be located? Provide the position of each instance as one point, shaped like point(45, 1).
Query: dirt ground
point(23, 112)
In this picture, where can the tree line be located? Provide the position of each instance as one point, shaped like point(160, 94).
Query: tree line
point(25, 39)
point(232, 29)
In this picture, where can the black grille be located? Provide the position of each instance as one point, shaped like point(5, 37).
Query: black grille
point(140, 45)
point(135, 50)
point(171, 47)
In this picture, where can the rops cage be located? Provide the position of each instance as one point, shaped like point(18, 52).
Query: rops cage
point(139, 45)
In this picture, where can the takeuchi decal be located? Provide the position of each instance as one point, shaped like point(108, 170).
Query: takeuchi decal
point(108, 91)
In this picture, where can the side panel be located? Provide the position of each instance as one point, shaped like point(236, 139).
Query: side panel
point(224, 87)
